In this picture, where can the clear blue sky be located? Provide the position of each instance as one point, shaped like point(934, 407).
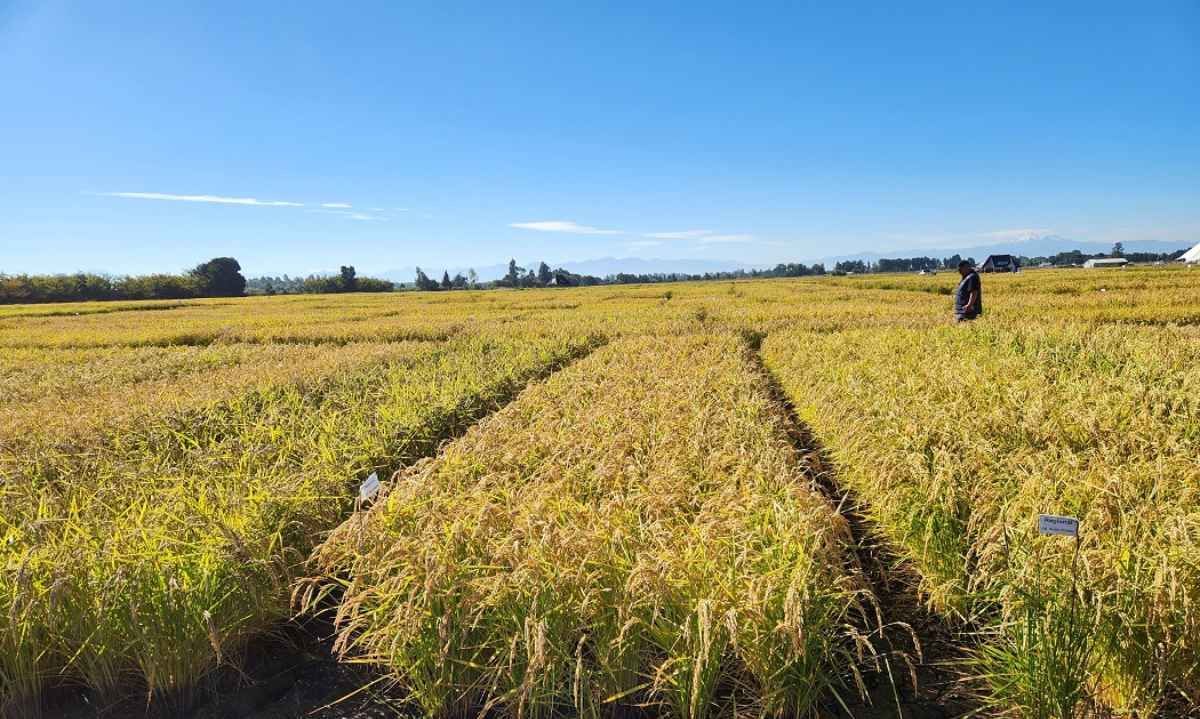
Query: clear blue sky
point(738, 131)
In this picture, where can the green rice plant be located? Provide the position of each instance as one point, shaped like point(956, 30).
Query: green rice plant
point(1039, 658)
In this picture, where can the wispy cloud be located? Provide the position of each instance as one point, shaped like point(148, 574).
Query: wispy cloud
point(360, 216)
point(337, 205)
point(725, 239)
point(682, 235)
point(217, 199)
point(573, 228)
point(643, 243)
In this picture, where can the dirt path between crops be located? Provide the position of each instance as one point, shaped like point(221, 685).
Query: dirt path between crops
point(918, 670)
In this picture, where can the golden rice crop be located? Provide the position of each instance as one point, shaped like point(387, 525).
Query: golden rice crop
point(142, 560)
point(165, 467)
point(66, 408)
point(636, 529)
point(254, 319)
point(959, 437)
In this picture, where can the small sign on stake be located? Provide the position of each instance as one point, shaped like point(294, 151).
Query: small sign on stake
point(369, 488)
point(1054, 524)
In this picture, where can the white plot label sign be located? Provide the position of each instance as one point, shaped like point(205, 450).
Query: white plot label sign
point(369, 488)
point(1054, 524)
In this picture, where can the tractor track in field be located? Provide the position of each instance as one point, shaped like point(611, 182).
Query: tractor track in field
point(918, 669)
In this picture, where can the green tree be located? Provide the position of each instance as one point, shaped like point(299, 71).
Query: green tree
point(543, 274)
point(424, 282)
point(446, 284)
point(220, 277)
point(1118, 250)
point(348, 278)
point(515, 273)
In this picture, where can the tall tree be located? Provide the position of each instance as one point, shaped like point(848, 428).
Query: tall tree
point(424, 282)
point(472, 278)
point(348, 278)
point(1118, 250)
point(220, 277)
point(543, 274)
point(446, 284)
point(515, 272)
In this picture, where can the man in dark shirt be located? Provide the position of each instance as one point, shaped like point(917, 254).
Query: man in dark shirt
point(968, 298)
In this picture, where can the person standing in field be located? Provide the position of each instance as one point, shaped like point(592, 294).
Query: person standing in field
point(968, 298)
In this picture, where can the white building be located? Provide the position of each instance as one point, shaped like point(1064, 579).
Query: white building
point(1192, 256)
point(1106, 262)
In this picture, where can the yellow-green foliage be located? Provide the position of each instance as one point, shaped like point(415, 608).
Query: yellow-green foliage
point(959, 437)
point(171, 539)
point(638, 526)
point(165, 468)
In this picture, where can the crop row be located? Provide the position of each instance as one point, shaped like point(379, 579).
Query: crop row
point(635, 531)
point(138, 561)
point(958, 438)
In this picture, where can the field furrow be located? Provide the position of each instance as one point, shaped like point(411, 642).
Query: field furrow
point(140, 561)
point(961, 437)
point(635, 531)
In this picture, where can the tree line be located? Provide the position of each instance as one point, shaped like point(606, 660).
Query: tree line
point(218, 277)
point(346, 280)
point(222, 277)
point(543, 276)
point(1062, 259)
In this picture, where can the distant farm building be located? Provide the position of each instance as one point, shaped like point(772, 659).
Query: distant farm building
point(1106, 262)
point(1000, 263)
point(1192, 256)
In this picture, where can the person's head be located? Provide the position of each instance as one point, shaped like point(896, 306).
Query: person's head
point(964, 268)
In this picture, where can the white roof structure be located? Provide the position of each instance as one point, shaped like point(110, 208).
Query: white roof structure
point(1106, 262)
point(1192, 255)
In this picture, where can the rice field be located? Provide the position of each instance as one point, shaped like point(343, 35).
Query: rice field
point(612, 499)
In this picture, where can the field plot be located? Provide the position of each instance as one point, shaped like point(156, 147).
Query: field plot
point(637, 529)
point(622, 520)
point(141, 548)
point(958, 438)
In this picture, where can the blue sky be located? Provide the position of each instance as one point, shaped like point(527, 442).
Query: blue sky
point(138, 137)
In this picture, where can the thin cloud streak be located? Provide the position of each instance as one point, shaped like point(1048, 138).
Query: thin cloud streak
point(683, 235)
point(214, 199)
point(567, 226)
point(361, 216)
point(337, 205)
point(726, 239)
